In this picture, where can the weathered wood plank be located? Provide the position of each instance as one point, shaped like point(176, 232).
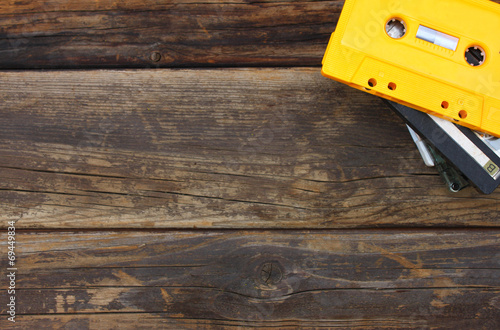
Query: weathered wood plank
point(132, 33)
point(239, 148)
point(244, 278)
point(72, 34)
point(164, 320)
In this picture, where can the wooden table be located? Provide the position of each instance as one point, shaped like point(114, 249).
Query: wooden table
point(184, 164)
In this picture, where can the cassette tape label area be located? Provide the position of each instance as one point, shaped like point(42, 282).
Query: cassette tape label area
point(441, 57)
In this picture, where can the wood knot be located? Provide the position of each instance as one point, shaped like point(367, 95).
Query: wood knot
point(271, 273)
point(155, 56)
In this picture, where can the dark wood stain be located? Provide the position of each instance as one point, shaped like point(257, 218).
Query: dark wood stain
point(183, 33)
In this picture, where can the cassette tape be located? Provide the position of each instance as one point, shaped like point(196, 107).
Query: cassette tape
point(440, 57)
point(473, 154)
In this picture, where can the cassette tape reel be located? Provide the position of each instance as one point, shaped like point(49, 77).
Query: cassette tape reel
point(441, 57)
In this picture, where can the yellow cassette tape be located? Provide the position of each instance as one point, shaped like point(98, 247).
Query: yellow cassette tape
point(438, 56)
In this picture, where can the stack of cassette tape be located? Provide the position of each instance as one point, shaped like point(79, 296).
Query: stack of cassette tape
point(437, 63)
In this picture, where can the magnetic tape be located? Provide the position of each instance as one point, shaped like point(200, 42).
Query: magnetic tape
point(440, 57)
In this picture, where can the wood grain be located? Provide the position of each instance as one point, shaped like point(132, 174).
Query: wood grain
point(104, 172)
point(320, 278)
point(167, 33)
point(239, 148)
point(72, 34)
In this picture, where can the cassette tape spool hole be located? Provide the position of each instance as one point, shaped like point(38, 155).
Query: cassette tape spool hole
point(395, 28)
point(372, 82)
point(475, 55)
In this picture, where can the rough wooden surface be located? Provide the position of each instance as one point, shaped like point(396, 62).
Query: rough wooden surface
point(71, 34)
point(133, 33)
point(213, 148)
point(108, 173)
point(279, 278)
